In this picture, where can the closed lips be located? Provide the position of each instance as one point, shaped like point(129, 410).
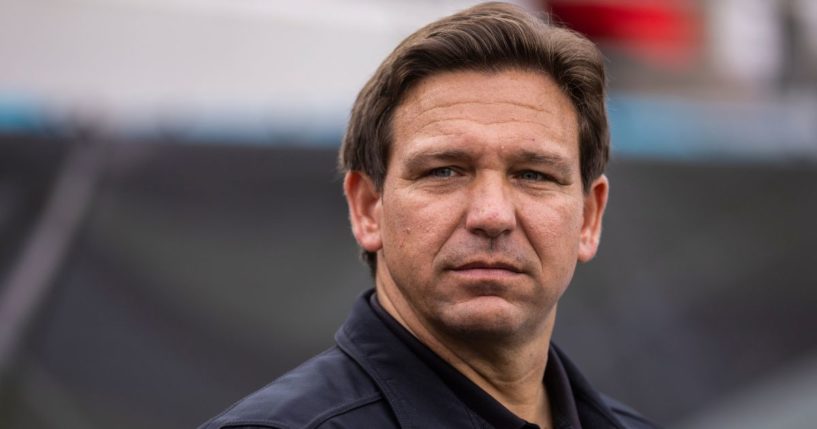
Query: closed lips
point(488, 266)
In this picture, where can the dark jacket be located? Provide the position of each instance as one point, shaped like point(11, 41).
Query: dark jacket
point(372, 379)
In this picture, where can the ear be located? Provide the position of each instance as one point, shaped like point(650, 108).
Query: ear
point(595, 201)
point(364, 210)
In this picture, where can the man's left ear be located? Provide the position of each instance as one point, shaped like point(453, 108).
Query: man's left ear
point(595, 201)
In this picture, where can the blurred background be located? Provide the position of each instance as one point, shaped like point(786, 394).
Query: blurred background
point(173, 234)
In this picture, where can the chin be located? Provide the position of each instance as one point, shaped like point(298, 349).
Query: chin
point(486, 318)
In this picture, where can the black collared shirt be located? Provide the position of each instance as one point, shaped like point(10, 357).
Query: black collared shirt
point(562, 405)
point(379, 376)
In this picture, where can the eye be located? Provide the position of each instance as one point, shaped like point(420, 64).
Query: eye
point(533, 176)
point(442, 172)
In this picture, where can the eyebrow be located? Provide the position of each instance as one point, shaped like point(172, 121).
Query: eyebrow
point(560, 164)
point(420, 159)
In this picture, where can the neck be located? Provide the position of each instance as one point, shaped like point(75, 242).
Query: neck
point(511, 372)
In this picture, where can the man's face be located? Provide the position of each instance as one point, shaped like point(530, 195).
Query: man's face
point(482, 216)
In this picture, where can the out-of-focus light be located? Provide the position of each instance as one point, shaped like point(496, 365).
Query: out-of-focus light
point(666, 33)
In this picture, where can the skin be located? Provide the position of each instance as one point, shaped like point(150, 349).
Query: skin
point(480, 223)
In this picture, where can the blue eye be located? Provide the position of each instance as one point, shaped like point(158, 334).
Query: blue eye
point(532, 175)
point(442, 172)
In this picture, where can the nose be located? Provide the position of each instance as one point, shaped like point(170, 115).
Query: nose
point(491, 211)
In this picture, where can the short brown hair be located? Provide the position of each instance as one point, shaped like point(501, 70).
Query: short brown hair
point(487, 37)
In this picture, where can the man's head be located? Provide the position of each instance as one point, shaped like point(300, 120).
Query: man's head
point(474, 160)
point(487, 37)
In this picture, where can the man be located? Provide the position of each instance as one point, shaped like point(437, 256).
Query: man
point(474, 163)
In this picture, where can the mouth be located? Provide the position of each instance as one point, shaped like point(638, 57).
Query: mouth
point(497, 268)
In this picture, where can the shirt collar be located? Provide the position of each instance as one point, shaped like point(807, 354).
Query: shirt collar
point(416, 394)
point(563, 406)
point(562, 400)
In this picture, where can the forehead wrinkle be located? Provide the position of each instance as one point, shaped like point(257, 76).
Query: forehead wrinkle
point(408, 116)
point(420, 128)
point(481, 139)
point(482, 102)
point(404, 113)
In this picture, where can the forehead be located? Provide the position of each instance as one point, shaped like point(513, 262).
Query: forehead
point(510, 108)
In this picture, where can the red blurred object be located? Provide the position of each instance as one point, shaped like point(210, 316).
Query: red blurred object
point(660, 32)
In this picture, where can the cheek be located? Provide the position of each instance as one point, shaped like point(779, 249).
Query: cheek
point(554, 229)
point(418, 224)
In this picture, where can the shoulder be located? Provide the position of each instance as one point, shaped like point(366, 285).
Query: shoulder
point(631, 418)
point(329, 390)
